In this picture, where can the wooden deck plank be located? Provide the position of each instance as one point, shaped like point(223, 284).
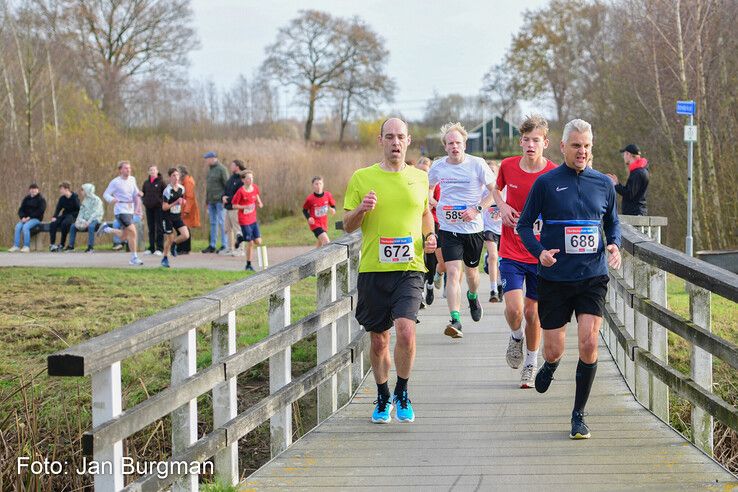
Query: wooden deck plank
point(475, 429)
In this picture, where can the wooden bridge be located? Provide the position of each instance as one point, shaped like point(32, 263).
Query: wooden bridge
point(475, 430)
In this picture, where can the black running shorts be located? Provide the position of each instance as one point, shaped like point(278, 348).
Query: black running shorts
point(385, 296)
point(558, 300)
point(459, 246)
point(318, 231)
point(172, 223)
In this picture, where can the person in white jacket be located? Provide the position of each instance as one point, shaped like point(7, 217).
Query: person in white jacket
point(124, 194)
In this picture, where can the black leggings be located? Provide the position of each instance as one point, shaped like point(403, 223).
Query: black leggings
point(154, 217)
point(431, 262)
point(62, 223)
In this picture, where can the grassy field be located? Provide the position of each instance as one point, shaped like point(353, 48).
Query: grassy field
point(50, 309)
point(724, 318)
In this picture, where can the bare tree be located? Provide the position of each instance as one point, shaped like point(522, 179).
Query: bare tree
point(310, 53)
point(120, 39)
point(237, 103)
point(363, 84)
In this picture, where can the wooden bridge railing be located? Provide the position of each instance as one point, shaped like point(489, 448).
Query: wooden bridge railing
point(340, 369)
point(637, 319)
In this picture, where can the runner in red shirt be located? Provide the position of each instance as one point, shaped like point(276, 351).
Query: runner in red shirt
point(316, 208)
point(245, 201)
point(517, 265)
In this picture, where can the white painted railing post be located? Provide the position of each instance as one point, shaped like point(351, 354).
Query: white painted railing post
point(107, 404)
point(327, 390)
point(224, 396)
point(701, 365)
point(659, 344)
point(343, 334)
point(641, 281)
point(184, 419)
point(357, 368)
point(280, 372)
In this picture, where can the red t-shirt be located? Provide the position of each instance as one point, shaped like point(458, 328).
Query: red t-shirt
point(317, 207)
point(246, 216)
point(436, 197)
point(518, 183)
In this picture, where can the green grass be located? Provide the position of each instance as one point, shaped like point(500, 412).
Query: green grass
point(49, 309)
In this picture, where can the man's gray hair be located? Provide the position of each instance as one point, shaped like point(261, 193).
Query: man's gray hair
point(577, 125)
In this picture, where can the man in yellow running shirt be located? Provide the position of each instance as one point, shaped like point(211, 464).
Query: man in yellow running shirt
point(389, 201)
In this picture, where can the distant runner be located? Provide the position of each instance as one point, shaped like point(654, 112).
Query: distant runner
point(175, 231)
point(316, 208)
point(463, 179)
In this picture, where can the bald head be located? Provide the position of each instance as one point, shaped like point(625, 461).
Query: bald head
point(393, 121)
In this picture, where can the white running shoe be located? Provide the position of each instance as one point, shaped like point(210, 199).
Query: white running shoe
point(514, 354)
point(158, 253)
point(13, 249)
point(25, 249)
point(528, 377)
point(147, 252)
point(135, 261)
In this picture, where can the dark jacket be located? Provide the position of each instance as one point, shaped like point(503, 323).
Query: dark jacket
point(634, 193)
point(33, 207)
point(67, 206)
point(215, 183)
point(576, 205)
point(231, 187)
point(152, 192)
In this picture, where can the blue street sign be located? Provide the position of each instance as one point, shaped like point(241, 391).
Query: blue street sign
point(685, 108)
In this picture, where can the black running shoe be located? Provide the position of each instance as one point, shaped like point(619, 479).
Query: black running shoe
point(239, 240)
point(579, 429)
point(493, 297)
point(453, 329)
point(474, 307)
point(209, 249)
point(544, 378)
point(429, 295)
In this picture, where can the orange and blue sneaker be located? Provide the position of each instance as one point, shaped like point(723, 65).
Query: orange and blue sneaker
point(382, 411)
point(404, 410)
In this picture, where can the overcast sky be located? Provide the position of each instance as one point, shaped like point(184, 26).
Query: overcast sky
point(445, 47)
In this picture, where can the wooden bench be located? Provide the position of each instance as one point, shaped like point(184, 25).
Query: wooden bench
point(37, 242)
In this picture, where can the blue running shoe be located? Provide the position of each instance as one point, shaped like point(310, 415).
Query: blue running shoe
point(579, 429)
point(174, 250)
point(165, 262)
point(382, 411)
point(404, 410)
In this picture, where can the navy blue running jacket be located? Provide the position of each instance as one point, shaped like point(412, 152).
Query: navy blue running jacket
point(578, 209)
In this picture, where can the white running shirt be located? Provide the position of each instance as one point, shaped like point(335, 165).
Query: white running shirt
point(492, 217)
point(125, 191)
point(462, 186)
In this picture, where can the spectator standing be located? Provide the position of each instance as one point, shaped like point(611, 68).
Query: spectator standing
point(634, 191)
point(67, 208)
point(90, 215)
point(232, 226)
point(190, 210)
point(214, 190)
point(152, 190)
point(30, 213)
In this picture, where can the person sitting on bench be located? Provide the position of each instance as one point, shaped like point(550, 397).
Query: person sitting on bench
point(30, 213)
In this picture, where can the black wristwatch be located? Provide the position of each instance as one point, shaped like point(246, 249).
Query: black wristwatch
point(479, 208)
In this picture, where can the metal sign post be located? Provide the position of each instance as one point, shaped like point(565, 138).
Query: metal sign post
point(687, 108)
